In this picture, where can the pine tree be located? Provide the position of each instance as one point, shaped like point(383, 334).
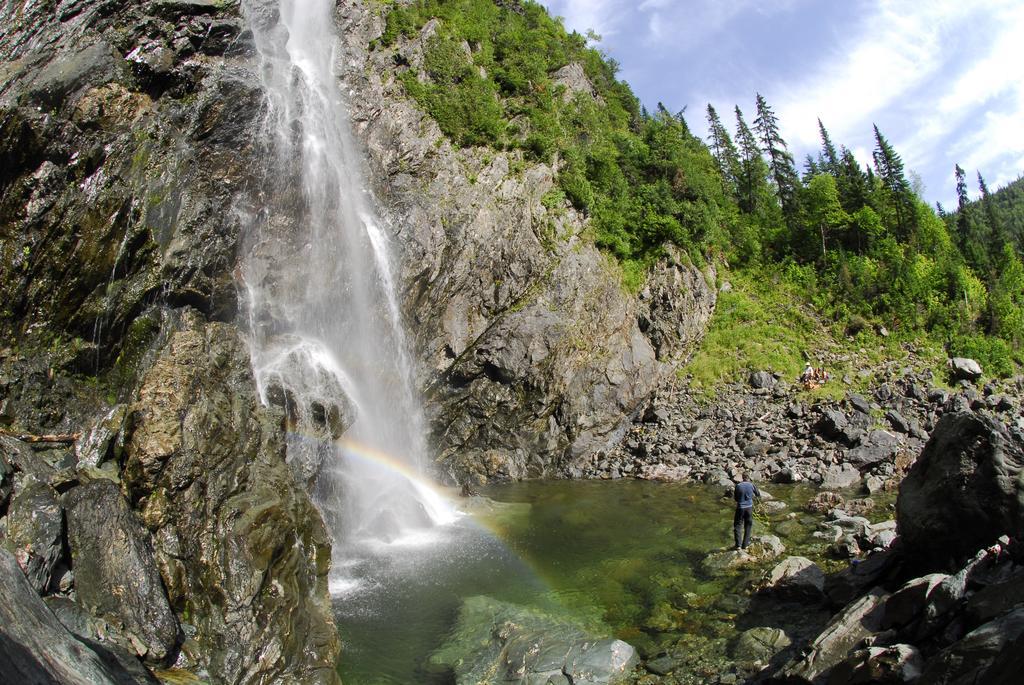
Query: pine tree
point(890, 170)
point(852, 183)
point(996, 230)
point(724, 152)
point(962, 208)
point(753, 170)
point(780, 161)
point(812, 167)
point(828, 152)
point(971, 236)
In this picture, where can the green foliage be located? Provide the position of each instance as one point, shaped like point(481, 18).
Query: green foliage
point(854, 243)
point(993, 354)
point(488, 79)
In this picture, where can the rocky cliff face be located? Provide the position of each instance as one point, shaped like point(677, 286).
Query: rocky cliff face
point(534, 357)
point(164, 522)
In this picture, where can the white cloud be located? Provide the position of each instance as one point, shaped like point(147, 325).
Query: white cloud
point(601, 16)
point(925, 72)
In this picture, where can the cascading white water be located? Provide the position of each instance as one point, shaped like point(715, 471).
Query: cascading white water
point(326, 330)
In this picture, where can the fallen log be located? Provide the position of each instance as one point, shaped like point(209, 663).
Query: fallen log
point(48, 437)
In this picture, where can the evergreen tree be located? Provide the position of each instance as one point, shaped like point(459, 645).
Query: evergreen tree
point(852, 183)
point(970, 235)
point(753, 170)
point(828, 151)
point(996, 230)
point(724, 152)
point(890, 170)
point(962, 204)
point(780, 161)
point(812, 167)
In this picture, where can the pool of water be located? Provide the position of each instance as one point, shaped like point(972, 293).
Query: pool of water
point(620, 558)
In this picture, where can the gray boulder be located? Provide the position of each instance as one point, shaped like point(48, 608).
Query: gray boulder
point(961, 368)
point(35, 529)
point(99, 442)
point(839, 477)
point(796, 578)
point(967, 480)
point(762, 380)
point(908, 602)
point(115, 569)
point(882, 665)
point(993, 653)
point(842, 634)
point(35, 648)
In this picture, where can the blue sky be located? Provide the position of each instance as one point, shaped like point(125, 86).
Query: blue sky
point(942, 79)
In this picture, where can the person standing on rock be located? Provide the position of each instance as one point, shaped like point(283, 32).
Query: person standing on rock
point(744, 494)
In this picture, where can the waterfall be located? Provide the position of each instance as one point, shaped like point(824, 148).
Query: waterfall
point(318, 282)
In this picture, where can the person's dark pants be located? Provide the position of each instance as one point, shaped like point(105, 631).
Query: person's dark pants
point(742, 522)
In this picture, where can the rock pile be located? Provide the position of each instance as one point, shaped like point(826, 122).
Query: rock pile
point(928, 610)
point(768, 428)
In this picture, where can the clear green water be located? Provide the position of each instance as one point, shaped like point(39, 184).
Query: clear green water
point(621, 557)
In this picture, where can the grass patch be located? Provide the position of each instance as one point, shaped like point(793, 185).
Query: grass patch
point(760, 324)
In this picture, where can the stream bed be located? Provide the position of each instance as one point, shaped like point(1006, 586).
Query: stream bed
point(618, 558)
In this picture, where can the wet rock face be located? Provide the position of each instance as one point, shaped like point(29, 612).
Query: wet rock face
point(966, 480)
point(533, 356)
point(124, 133)
point(241, 549)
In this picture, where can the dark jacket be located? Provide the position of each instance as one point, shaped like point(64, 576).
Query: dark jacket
point(744, 494)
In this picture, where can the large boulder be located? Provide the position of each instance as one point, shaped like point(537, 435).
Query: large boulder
point(841, 636)
point(242, 550)
point(992, 653)
point(115, 569)
point(889, 665)
point(796, 578)
point(962, 368)
point(963, 492)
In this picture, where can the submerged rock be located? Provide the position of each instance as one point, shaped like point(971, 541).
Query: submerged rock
point(494, 642)
point(759, 645)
